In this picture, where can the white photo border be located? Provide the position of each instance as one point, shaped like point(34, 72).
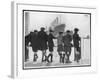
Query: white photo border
point(17, 70)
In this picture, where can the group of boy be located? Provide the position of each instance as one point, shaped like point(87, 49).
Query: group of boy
point(43, 41)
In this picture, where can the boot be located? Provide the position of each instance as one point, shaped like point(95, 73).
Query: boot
point(63, 58)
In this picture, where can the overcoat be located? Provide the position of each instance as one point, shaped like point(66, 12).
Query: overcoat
point(67, 43)
point(50, 42)
point(34, 42)
point(43, 38)
point(76, 40)
point(60, 43)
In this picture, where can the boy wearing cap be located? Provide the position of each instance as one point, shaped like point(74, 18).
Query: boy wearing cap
point(50, 45)
point(34, 43)
point(60, 48)
point(76, 40)
point(43, 38)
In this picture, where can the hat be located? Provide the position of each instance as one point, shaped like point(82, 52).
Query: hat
point(76, 29)
point(42, 28)
point(68, 31)
point(35, 31)
point(60, 32)
point(51, 30)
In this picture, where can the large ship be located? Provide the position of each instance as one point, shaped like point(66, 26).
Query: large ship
point(57, 25)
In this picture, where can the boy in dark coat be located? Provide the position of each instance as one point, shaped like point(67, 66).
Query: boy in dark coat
point(77, 49)
point(34, 43)
point(67, 45)
point(43, 43)
point(50, 45)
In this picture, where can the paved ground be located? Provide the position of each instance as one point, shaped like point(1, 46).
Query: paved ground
point(55, 63)
point(45, 64)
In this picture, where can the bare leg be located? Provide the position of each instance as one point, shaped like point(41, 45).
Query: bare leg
point(50, 56)
point(43, 55)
